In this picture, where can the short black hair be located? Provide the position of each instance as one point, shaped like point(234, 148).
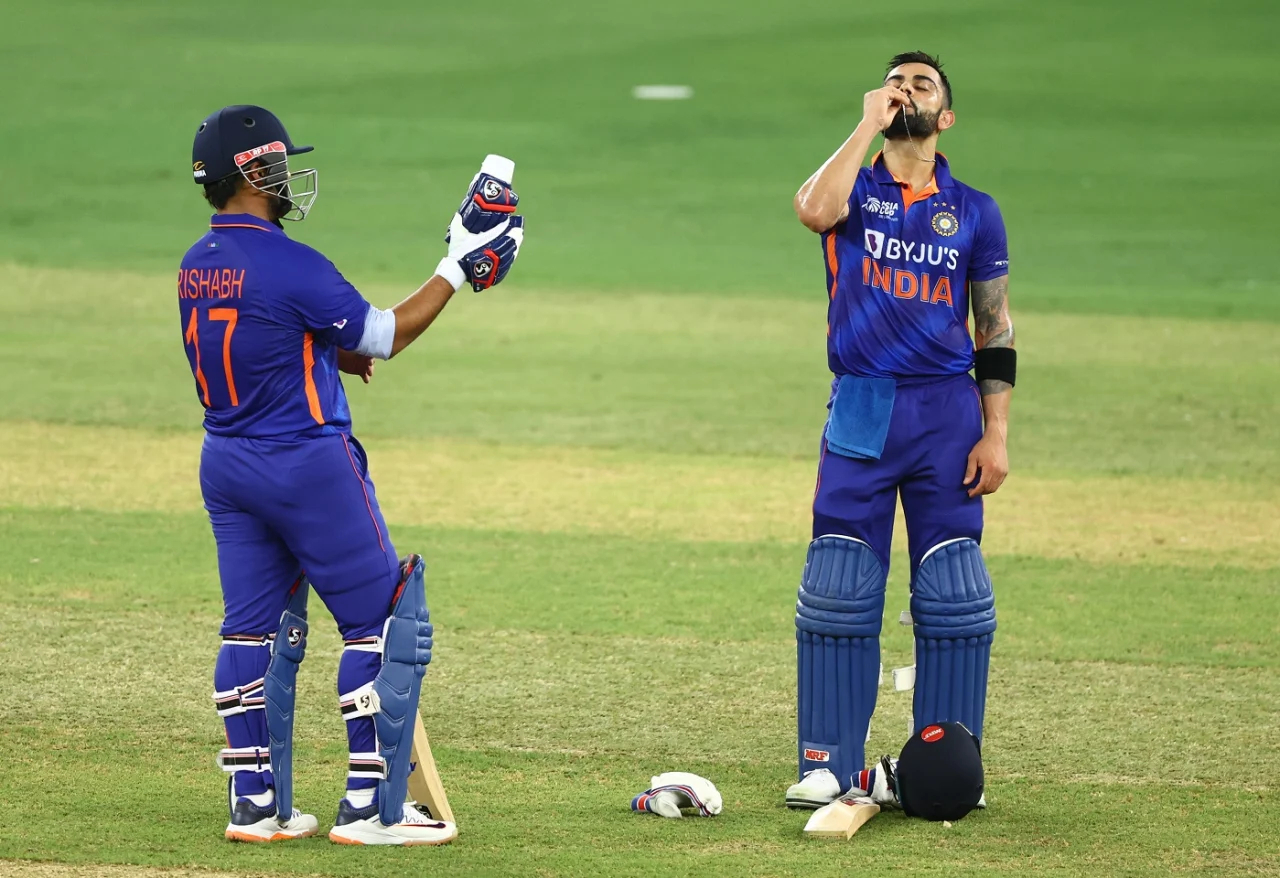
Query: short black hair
point(922, 58)
point(219, 192)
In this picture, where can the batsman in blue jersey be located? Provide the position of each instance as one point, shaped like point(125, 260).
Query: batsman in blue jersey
point(268, 324)
point(909, 251)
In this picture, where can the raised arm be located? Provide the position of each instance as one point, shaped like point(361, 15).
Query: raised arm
point(823, 200)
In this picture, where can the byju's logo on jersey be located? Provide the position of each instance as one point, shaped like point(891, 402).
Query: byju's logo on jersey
point(876, 207)
point(875, 243)
point(880, 246)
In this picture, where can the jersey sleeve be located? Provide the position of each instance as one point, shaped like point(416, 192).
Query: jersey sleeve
point(989, 257)
point(326, 303)
point(853, 219)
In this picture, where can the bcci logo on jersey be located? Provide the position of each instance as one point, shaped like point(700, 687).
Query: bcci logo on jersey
point(876, 207)
point(944, 223)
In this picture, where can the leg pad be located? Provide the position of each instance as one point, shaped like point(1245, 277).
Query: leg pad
point(406, 652)
point(280, 689)
point(953, 606)
point(838, 618)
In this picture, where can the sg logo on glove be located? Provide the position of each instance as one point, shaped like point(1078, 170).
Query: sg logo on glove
point(489, 202)
point(488, 264)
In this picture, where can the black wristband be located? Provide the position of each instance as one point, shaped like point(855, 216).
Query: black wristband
point(996, 364)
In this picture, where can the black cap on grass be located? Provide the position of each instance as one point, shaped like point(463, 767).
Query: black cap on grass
point(939, 774)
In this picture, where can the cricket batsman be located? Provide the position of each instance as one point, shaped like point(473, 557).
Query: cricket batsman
point(909, 251)
point(268, 324)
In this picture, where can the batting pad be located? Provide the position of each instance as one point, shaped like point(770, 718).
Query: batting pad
point(838, 618)
point(954, 609)
point(280, 690)
point(406, 652)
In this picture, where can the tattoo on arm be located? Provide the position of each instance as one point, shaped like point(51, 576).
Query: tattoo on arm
point(992, 324)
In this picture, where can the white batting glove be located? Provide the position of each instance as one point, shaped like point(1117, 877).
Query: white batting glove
point(679, 789)
point(485, 234)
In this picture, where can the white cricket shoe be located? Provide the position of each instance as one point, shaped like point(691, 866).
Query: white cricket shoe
point(256, 823)
point(817, 788)
point(362, 826)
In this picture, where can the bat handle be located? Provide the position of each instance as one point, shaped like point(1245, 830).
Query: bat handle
point(499, 166)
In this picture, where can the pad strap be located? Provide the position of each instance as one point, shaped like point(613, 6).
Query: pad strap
point(366, 766)
point(359, 702)
point(247, 639)
point(364, 644)
point(904, 679)
point(240, 699)
point(244, 759)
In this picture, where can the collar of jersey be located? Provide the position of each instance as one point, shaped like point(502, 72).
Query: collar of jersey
point(941, 171)
point(242, 221)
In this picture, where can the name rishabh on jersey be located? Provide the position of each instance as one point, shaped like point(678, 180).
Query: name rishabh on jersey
point(898, 271)
point(263, 318)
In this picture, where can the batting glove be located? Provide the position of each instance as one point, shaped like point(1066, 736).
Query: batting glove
point(679, 789)
point(489, 202)
point(485, 233)
point(487, 265)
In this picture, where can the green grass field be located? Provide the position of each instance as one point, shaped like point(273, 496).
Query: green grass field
point(608, 461)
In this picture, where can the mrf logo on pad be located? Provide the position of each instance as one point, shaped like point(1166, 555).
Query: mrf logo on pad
point(817, 755)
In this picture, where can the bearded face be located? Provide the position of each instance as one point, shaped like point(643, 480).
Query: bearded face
point(918, 124)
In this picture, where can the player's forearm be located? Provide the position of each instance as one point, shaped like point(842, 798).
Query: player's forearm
point(993, 328)
point(824, 197)
point(995, 412)
point(419, 311)
point(350, 362)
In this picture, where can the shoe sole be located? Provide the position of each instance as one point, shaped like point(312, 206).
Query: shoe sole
point(807, 804)
point(382, 841)
point(235, 835)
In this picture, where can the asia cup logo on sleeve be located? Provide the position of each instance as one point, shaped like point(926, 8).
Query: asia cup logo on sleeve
point(887, 209)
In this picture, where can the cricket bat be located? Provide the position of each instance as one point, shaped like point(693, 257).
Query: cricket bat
point(842, 818)
point(424, 779)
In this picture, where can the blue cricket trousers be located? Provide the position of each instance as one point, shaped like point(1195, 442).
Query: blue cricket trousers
point(279, 508)
point(934, 425)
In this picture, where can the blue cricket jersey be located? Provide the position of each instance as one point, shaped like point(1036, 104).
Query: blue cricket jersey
point(898, 271)
point(263, 318)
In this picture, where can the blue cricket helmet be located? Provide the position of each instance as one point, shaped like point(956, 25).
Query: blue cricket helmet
point(236, 139)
